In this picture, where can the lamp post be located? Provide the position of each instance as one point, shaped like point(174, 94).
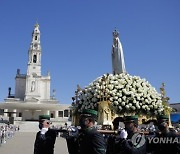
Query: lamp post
point(167, 109)
point(75, 115)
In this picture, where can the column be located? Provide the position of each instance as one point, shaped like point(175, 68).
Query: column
point(56, 114)
point(48, 112)
point(14, 114)
point(6, 114)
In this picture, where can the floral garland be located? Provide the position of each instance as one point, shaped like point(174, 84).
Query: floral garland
point(127, 94)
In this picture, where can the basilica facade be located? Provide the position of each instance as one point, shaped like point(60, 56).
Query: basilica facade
point(32, 90)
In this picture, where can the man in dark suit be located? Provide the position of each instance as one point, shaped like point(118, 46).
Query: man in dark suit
point(169, 141)
point(45, 138)
point(129, 140)
point(89, 140)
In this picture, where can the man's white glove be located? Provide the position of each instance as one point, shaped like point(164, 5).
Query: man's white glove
point(123, 134)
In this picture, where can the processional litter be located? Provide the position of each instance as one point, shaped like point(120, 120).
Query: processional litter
point(118, 94)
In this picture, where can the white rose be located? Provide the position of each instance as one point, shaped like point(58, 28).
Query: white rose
point(111, 82)
point(116, 98)
point(159, 111)
point(111, 99)
point(150, 106)
point(110, 87)
point(127, 106)
point(155, 106)
point(114, 91)
point(120, 94)
point(138, 98)
point(98, 87)
point(133, 107)
point(124, 98)
point(116, 102)
point(134, 101)
point(119, 99)
point(113, 94)
point(146, 100)
point(123, 103)
point(138, 107)
point(120, 108)
point(127, 101)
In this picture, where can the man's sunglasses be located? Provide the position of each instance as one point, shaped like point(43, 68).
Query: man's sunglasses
point(48, 122)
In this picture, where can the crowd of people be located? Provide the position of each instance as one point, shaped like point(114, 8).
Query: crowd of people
point(153, 138)
point(7, 131)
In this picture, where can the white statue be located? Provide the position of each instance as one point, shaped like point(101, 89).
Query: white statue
point(32, 86)
point(118, 63)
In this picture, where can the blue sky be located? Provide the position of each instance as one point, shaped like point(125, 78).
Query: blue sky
point(76, 40)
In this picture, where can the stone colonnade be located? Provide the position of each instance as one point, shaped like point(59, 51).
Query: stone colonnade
point(55, 113)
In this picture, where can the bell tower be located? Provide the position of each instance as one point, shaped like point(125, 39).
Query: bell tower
point(34, 61)
point(33, 77)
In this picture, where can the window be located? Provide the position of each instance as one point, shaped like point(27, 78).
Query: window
point(35, 37)
point(60, 113)
point(20, 114)
point(34, 58)
point(1, 111)
point(65, 113)
point(52, 115)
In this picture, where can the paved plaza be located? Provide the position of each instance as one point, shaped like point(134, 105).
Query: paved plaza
point(23, 143)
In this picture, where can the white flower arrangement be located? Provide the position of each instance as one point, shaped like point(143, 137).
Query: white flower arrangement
point(128, 94)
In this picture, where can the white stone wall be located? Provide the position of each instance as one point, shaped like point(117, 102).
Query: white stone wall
point(34, 69)
point(45, 88)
